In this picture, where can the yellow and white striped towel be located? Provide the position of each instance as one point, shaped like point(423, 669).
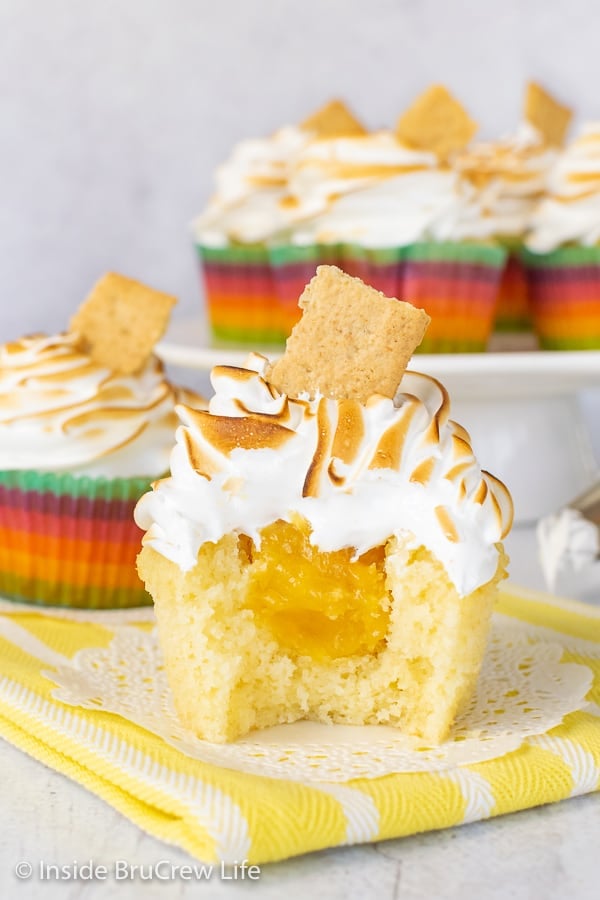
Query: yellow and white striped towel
point(222, 814)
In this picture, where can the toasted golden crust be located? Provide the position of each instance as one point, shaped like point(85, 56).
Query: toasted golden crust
point(121, 321)
point(546, 114)
point(333, 120)
point(436, 121)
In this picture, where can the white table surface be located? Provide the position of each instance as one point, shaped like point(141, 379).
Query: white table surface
point(549, 852)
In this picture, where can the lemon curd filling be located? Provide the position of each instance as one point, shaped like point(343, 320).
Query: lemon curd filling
point(314, 603)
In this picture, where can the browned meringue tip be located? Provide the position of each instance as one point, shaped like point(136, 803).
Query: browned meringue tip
point(504, 518)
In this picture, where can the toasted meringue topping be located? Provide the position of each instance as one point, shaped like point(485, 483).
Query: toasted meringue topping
point(571, 210)
point(444, 517)
point(349, 432)
point(423, 471)
point(358, 474)
point(59, 410)
point(510, 176)
point(367, 188)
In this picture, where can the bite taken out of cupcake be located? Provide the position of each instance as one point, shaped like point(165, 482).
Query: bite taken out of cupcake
point(326, 546)
point(86, 423)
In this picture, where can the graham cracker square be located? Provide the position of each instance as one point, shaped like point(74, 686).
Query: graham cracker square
point(121, 321)
point(437, 122)
point(351, 342)
point(546, 114)
point(333, 120)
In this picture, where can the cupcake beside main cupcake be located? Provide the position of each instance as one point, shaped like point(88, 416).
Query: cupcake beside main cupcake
point(511, 176)
point(326, 546)
point(386, 206)
point(249, 285)
point(563, 249)
point(86, 423)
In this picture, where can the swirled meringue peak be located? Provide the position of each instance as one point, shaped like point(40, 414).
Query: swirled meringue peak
point(61, 411)
point(510, 176)
point(357, 473)
point(571, 210)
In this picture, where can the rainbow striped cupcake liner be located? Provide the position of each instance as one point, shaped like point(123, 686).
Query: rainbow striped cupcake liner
point(241, 295)
point(564, 290)
point(252, 291)
point(70, 541)
point(512, 312)
point(457, 284)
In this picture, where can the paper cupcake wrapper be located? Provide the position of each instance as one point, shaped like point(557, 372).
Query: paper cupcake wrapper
point(457, 284)
point(512, 312)
point(68, 541)
point(252, 292)
point(564, 289)
point(292, 267)
point(241, 295)
point(380, 267)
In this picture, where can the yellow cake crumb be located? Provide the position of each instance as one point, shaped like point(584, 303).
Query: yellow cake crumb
point(232, 670)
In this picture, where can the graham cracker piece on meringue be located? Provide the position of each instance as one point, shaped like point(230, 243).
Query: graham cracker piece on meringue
point(546, 114)
point(120, 322)
point(437, 122)
point(351, 342)
point(333, 120)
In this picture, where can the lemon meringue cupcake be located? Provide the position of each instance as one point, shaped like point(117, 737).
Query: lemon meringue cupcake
point(328, 553)
point(253, 272)
point(80, 442)
point(511, 177)
point(562, 251)
point(386, 206)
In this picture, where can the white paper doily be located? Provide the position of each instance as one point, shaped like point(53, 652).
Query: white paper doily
point(524, 690)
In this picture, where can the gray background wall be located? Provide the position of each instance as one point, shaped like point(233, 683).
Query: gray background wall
point(114, 114)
